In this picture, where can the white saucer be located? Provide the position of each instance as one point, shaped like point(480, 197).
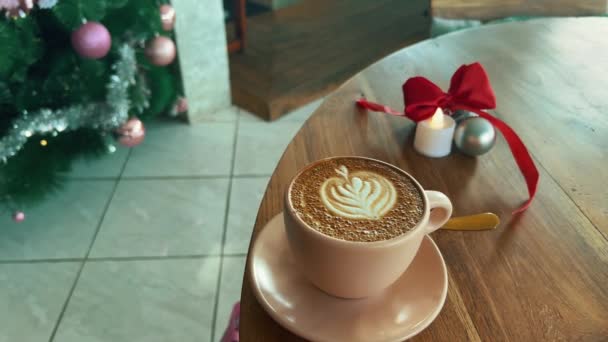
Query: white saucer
point(402, 311)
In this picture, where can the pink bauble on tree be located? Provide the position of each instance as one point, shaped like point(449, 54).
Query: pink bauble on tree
point(131, 133)
point(91, 40)
point(181, 105)
point(167, 17)
point(161, 51)
point(18, 216)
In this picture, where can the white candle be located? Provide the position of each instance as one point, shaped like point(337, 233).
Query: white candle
point(434, 136)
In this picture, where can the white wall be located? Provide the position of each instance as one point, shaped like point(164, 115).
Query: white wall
point(203, 56)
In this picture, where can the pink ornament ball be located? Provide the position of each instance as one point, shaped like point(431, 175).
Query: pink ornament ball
point(167, 17)
point(181, 105)
point(161, 51)
point(91, 40)
point(131, 133)
point(18, 216)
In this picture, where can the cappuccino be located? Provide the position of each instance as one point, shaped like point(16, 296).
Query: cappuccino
point(356, 199)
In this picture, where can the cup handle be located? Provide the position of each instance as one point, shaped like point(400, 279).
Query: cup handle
point(440, 210)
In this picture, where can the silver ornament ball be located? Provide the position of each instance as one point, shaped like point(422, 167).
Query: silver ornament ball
point(461, 115)
point(474, 136)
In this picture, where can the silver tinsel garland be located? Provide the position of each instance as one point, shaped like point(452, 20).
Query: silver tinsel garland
point(47, 3)
point(104, 116)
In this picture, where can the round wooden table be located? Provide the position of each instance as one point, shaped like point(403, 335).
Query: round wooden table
point(541, 275)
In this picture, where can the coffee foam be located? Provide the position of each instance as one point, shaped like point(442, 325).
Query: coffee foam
point(357, 200)
point(359, 195)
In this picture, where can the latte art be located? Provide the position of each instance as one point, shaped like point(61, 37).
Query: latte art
point(360, 195)
point(356, 199)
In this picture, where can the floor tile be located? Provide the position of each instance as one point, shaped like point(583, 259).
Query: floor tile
point(229, 114)
point(175, 149)
point(247, 116)
point(300, 114)
point(107, 165)
point(32, 297)
point(164, 217)
point(61, 226)
point(260, 145)
point(233, 269)
point(142, 301)
point(245, 198)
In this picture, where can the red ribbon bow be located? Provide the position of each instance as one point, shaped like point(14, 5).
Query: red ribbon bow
point(469, 90)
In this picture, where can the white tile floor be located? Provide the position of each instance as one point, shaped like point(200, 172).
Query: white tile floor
point(147, 244)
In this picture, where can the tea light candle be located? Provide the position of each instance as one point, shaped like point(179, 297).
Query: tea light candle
point(434, 136)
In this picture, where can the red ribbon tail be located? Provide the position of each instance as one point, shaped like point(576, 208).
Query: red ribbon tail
point(520, 153)
point(376, 107)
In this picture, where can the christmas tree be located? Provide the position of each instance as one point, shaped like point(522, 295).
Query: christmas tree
point(76, 78)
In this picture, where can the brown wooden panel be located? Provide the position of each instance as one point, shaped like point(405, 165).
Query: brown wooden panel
point(297, 54)
point(542, 275)
point(492, 9)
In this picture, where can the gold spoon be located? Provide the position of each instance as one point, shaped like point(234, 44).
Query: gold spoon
point(482, 221)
